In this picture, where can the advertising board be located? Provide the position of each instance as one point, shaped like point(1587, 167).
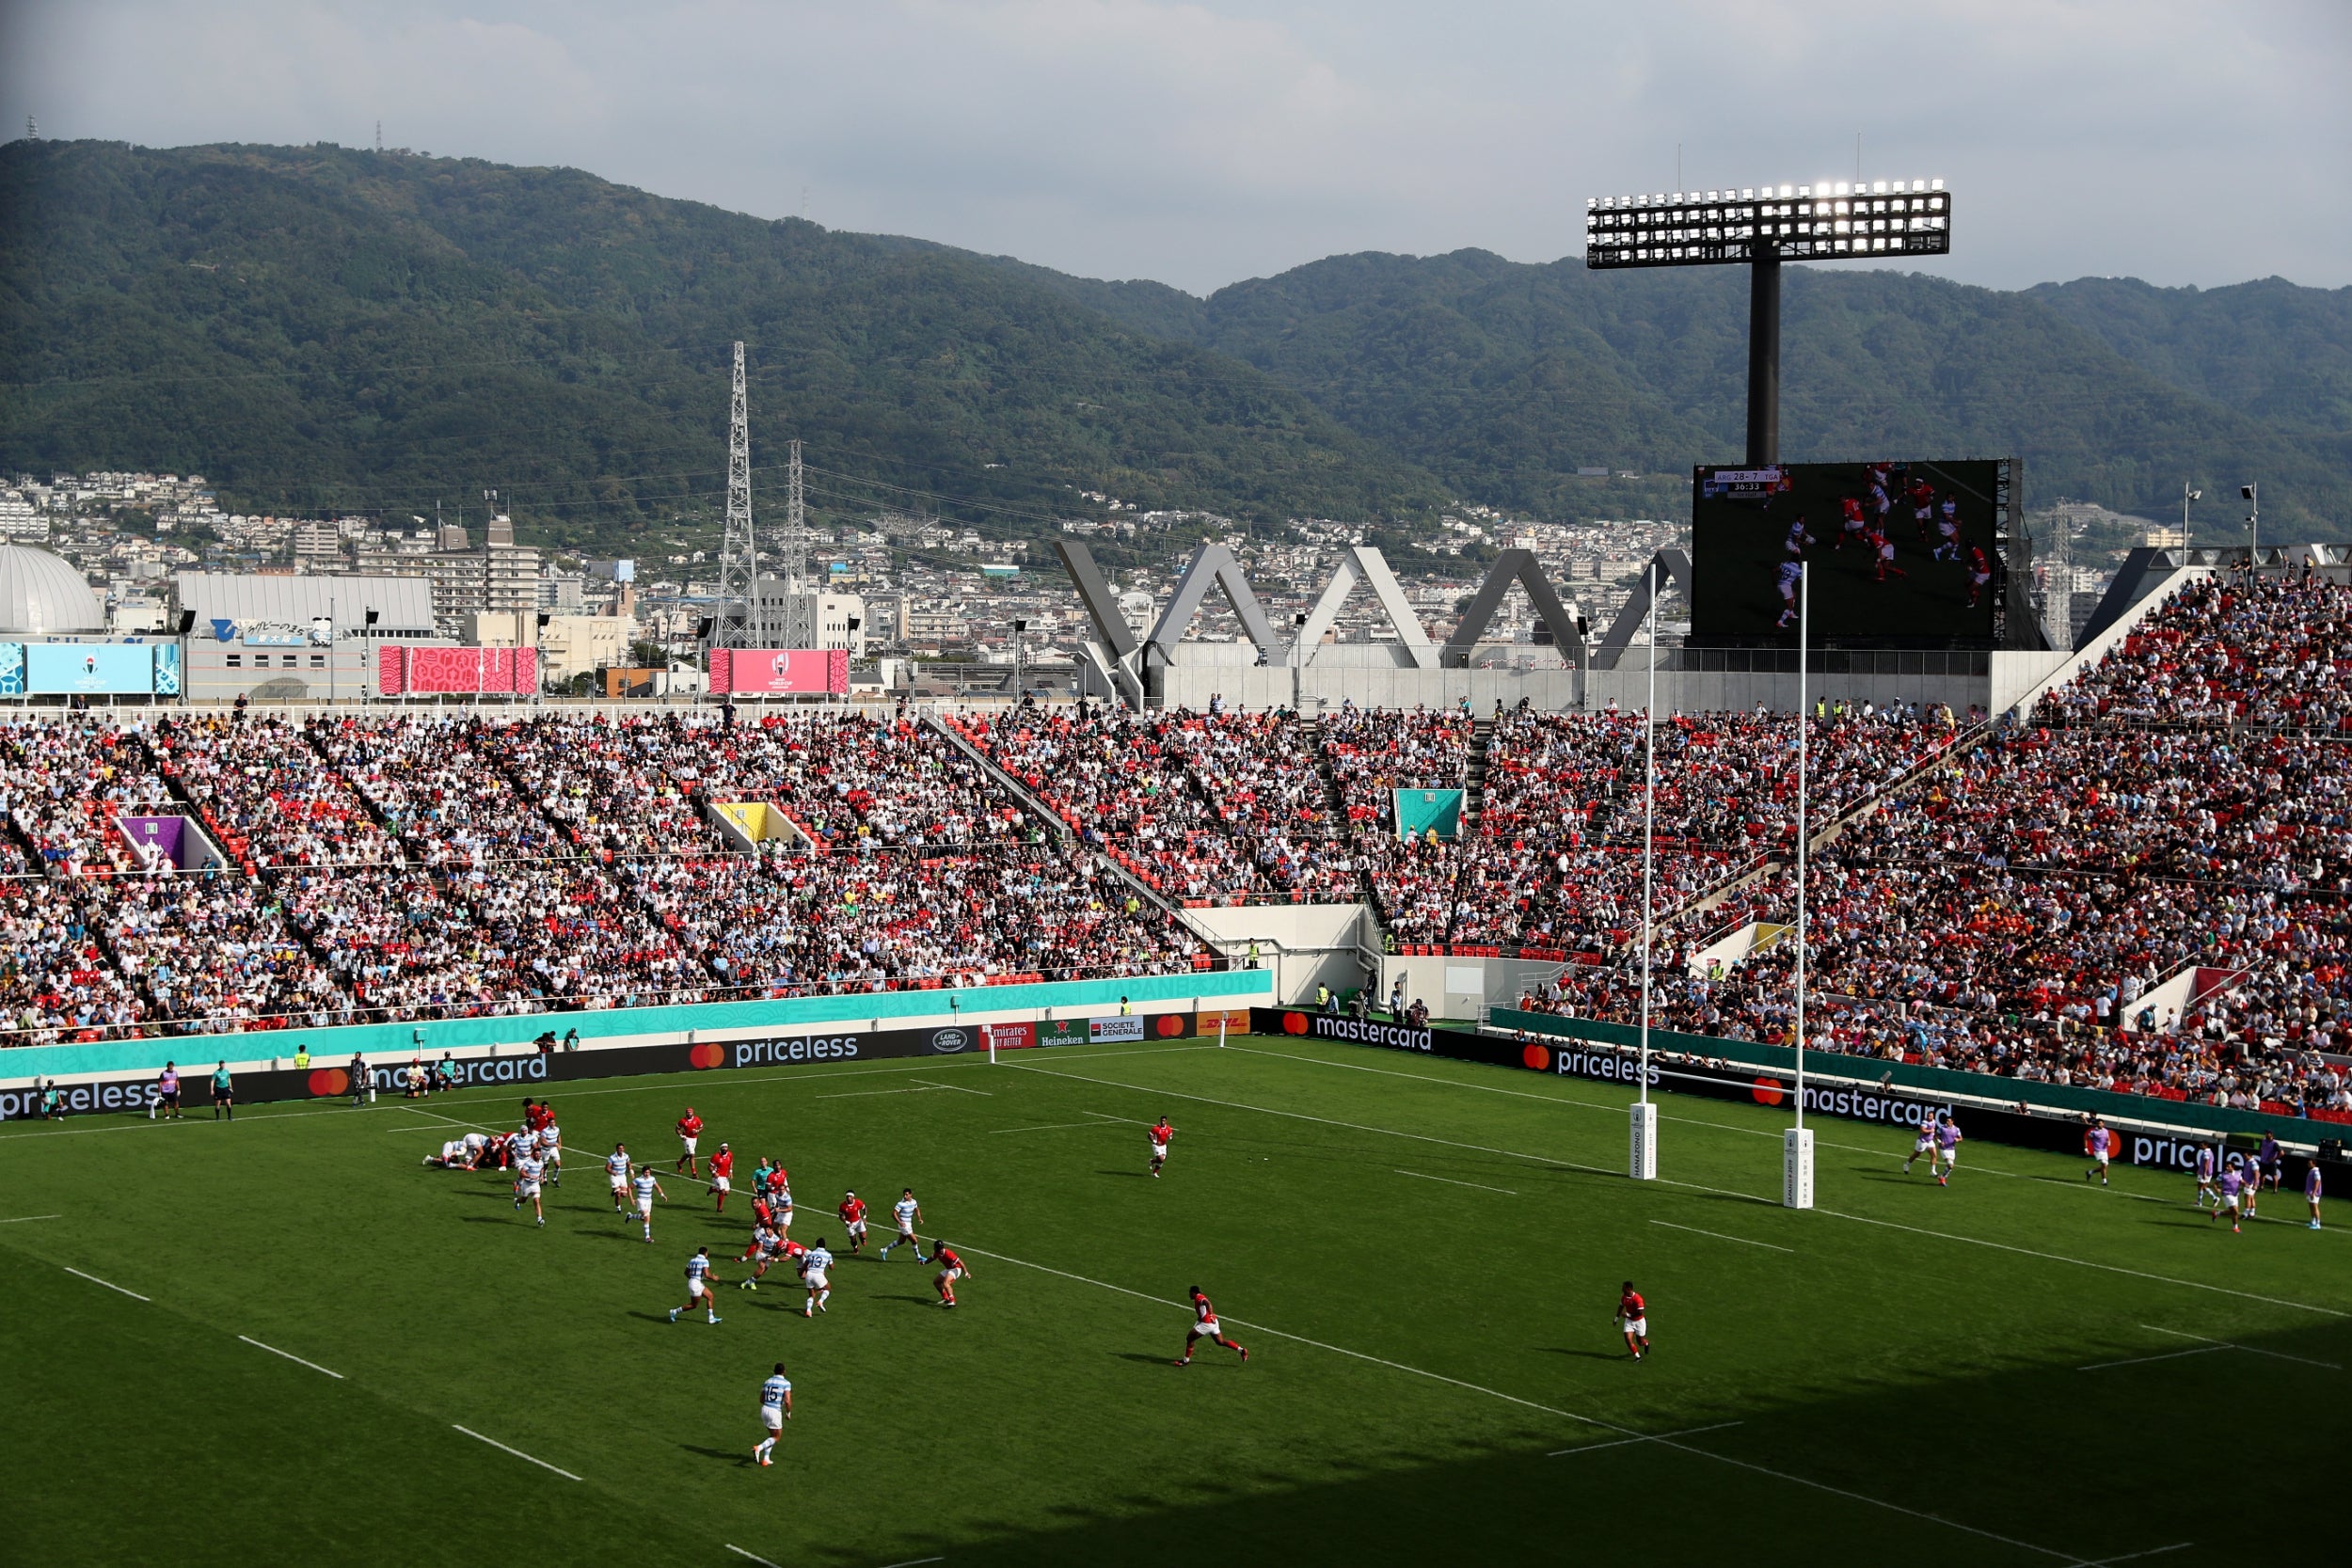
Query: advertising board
point(1890, 1107)
point(523, 1067)
point(89, 669)
point(780, 671)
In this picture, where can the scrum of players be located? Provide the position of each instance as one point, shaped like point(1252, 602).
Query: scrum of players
point(1867, 524)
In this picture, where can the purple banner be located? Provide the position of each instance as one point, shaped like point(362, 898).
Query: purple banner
point(164, 834)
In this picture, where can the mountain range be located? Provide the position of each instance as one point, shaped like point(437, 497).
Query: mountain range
point(325, 328)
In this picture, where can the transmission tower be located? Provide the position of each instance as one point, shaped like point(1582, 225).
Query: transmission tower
point(2057, 592)
point(792, 555)
point(740, 623)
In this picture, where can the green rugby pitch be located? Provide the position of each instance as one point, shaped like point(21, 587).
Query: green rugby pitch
point(1422, 1256)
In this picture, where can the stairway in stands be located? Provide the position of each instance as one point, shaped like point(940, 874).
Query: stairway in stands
point(1335, 801)
point(1474, 776)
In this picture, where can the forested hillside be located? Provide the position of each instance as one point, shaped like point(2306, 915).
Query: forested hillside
point(323, 327)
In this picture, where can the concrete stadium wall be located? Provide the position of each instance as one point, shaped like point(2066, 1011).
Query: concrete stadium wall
point(1323, 687)
point(714, 1021)
point(1326, 685)
point(1303, 946)
point(1458, 987)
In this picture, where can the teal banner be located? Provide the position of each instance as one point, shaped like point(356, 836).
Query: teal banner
point(1421, 812)
point(872, 1008)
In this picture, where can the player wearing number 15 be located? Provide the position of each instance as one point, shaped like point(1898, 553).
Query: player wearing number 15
point(775, 1408)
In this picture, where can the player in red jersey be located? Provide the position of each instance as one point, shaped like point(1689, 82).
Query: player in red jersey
point(690, 1127)
point(722, 1175)
point(1633, 1319)
point(951, 1268)
point(1852, 526)
point(853, 1221)
point(1979, 573)
point(1205, 1327)
point(1883, 548)
point(1161, 1132)
point(779, 1195)
point(536, 1116)
point(1922, 498)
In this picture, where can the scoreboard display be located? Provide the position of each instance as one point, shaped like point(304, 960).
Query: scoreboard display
point(1897, 551)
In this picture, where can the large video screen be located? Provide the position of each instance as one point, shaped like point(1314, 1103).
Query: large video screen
point(1898, 552)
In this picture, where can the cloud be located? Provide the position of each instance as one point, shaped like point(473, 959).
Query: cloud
point(1198, 143)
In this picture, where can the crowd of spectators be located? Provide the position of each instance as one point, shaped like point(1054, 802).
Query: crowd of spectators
point(2144, 892)
point(779, 924)
point(1211, 807)
point(2268, 649)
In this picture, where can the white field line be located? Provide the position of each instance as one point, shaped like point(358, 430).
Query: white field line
point(2143, 1360)
point(754, 1555)
point(959, 1088)
point(516, 1452)
point(1834, 1214)
point(1668, 1440)
point(867, 1094)
point(2232, 1344)
point(2134, 1556)
point(1721, 1237)
point(1451, 1182)
point(260, 1111)
point(27, 1219)
point(914, 1562)
point(253, 1113)
point(290, 1356)
point(108, 1283)
point(1621, 1442)
point(1062, 1126)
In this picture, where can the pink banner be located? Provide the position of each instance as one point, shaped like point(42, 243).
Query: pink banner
point(780, 671)
point(458, 672)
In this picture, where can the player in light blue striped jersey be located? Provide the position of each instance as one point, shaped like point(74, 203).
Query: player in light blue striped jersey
point(775, 1408)
point(699, 1283)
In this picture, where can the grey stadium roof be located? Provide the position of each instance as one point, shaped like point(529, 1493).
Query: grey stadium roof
point(403, 603)
point(43, 595)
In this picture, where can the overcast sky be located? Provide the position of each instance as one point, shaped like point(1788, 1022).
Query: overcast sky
point(2182, 141)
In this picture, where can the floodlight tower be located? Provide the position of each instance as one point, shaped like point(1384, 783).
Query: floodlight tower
point(738, 556)
point(1761, 226)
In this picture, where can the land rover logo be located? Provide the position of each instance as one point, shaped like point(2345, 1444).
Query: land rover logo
point(949, 1040)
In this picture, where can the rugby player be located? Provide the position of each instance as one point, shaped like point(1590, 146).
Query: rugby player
point(1205, 1327)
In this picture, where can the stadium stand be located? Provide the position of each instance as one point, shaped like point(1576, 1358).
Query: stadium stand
point(2142, 889)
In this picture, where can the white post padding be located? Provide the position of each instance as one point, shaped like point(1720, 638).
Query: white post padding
point(1642, 1157)
point(1796, 1168)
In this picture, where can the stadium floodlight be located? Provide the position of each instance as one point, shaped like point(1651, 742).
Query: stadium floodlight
point(1760, 229)
point(2253, 520)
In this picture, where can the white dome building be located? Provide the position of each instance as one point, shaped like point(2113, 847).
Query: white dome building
point(41, 595)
